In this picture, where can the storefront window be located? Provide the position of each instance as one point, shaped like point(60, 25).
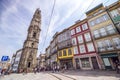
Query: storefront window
point(85, 62)
point(106, 61)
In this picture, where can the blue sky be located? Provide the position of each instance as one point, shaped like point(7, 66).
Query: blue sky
point(15, 17)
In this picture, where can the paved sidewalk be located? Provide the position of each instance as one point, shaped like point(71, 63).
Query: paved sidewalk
point(67, 75)
point(92, 75)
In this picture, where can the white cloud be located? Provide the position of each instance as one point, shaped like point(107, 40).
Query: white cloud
point(65, 12)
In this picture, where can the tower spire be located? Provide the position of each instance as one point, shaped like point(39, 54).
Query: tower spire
point(30, 47)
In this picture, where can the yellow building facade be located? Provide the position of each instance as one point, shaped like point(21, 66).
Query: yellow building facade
point(106, 37)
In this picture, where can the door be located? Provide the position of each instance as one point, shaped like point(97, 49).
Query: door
point(77, 63)
point(107, 63)
point(94, 62)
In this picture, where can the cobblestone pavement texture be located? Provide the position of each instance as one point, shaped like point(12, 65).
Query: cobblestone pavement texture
point(67, 75)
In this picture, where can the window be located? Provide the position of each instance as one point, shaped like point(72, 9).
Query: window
point(96, 34)
point(106, 61)
point(60, 53)
point(75, 50)
point(80, 39)
point(92, 23)
point(72, 32)
point(101, 46)
point(69, 52)
point(105, 17)
point(108, 44)
point(110, 29)
point(117, 42)
point(103, 32)
point(29, 64)
point(87, 37)
point(82, 48)
point(74, 41)
point(90, 47)
point(64, 53)
point(34, 35)
point(85, 62)
point(32, 44)
point(114, 13)
point(78, 29)
point(84, 26)
point(98, 20)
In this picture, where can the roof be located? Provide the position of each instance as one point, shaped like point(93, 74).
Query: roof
point(93, 9)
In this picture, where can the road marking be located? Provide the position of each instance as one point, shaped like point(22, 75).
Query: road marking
point(68, 77)
point(61, 75)
point(55, 76)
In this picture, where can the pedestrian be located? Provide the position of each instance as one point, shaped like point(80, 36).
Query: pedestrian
point(117, 66)
point(35, 70)
point(2, 72)
point(23, 71)
point(58, 68)
point(53, 69)
point(63, 69)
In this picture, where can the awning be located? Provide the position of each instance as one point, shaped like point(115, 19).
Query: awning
point(109, 55)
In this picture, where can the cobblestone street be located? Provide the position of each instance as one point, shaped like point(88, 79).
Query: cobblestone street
point(68, 75)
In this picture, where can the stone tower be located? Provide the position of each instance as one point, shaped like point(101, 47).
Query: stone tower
point(30, 47)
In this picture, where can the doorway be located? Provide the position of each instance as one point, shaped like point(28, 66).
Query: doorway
point(29, 64)
point(95, 63)
point(67, 62)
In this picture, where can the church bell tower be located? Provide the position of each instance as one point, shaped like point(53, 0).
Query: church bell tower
point(30, 47)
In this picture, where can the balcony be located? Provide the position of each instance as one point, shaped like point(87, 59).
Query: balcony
point(116, 18)
point(101, 49)
point(117, 46)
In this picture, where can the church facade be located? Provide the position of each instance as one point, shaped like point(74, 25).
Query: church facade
point(30, 46)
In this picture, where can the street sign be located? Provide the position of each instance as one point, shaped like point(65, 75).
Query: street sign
point(5, 58)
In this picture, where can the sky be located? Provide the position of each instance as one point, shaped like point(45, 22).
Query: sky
point(15, 17)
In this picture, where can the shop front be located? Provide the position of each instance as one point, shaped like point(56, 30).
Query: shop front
point(68, 63)
point(109, 60)
point(87, 62)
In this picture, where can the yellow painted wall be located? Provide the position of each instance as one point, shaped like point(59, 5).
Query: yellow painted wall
point(67, 56)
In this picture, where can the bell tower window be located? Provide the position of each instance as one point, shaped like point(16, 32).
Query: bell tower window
point(32, 44)
point(34, 35)
point(29, 63)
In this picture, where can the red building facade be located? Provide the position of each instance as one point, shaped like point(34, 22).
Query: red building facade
point(85, 55)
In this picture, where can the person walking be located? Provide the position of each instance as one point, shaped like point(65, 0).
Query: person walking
point(58, 68)
point(53, 69)
point(117, 67)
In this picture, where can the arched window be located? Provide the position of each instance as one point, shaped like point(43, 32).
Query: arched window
point(32, 44)
point(29, 63)
point(34, 35)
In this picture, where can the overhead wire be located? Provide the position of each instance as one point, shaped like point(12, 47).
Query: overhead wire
point(49, 24)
